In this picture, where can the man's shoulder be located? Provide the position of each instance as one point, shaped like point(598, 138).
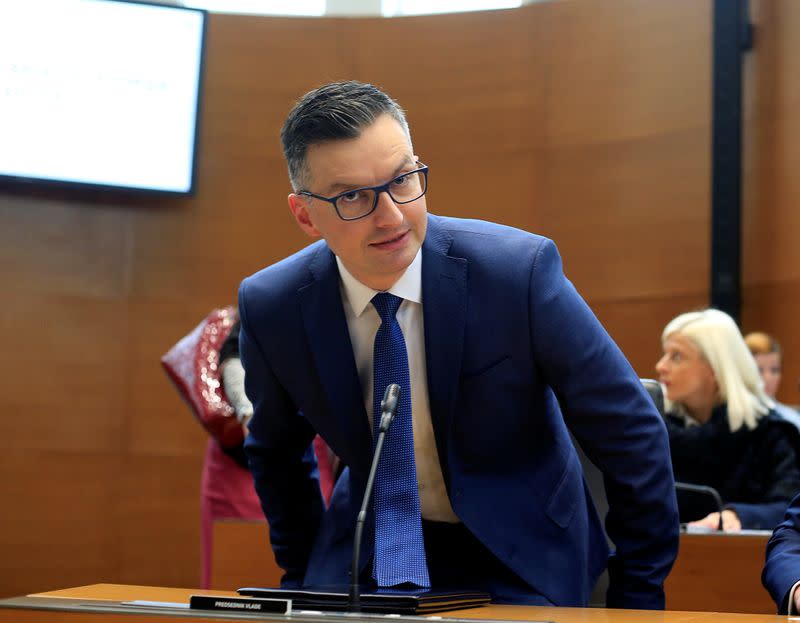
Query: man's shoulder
point(290, 273)
point(479, 227)
point(474, 234)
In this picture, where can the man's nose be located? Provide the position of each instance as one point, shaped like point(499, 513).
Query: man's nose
point(387, 212)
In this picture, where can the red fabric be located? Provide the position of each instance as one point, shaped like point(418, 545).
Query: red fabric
point(326, 460)
point(226, 492)
point(193, 366)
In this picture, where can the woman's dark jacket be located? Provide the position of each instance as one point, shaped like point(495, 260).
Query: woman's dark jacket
point(756, 472)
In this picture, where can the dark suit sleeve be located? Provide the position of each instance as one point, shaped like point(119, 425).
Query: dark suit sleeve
point(782, 568)
point(617, 425)
point(280, 456)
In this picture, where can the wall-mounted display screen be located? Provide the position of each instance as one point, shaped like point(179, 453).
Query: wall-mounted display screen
point(100, 92)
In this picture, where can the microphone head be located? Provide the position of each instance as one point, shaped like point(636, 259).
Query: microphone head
point(391, 398)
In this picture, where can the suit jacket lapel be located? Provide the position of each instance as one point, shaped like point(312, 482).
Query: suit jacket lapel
point(329, 337)
point(444, 304)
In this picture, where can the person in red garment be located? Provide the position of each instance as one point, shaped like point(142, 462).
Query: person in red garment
point(227, 490)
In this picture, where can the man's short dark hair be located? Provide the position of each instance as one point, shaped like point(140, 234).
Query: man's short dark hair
point(335, 111)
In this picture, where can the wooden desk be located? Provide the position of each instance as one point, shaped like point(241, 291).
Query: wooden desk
point(117, 593)
point(713, 572)
point(720, 572)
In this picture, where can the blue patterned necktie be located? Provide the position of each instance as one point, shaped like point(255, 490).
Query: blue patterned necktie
point(399, 545)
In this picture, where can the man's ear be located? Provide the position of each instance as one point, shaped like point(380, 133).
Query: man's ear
point(298, 204)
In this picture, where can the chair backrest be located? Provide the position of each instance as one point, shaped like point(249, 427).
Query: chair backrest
point(242, 555)
point(653, 388)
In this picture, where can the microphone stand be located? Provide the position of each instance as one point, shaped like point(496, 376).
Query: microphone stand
point(388, 409)
point(685, 486)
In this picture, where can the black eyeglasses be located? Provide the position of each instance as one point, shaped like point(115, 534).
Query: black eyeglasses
point(360, 202)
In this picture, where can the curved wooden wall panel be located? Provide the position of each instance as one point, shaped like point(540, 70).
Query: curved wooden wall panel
point(585, 121)
point(771, 218)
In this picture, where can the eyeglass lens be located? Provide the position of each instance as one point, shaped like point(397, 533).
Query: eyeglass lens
point(403, 189)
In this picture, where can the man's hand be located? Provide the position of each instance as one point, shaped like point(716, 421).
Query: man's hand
point(797, 601)
point(730, 521)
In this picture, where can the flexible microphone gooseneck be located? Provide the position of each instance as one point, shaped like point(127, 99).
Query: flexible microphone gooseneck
point(705, 490)
point(391, 398)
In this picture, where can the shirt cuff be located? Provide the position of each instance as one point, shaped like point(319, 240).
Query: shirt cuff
point(792, 609)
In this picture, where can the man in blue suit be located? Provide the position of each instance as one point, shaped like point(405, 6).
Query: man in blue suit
point(504, 358)
point(781, 575)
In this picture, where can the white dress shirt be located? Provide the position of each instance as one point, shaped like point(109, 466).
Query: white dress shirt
point(363, 322)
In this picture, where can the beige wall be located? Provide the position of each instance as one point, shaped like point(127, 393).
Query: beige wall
point(585, 121)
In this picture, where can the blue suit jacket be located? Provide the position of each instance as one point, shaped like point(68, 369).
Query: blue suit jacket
point(514, 357)
point(782, 568)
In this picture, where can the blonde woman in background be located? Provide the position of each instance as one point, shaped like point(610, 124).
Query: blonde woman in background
point(722, 427)
point(767, 352)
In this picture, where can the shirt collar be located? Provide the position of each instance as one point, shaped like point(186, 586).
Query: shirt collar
point(408, 287)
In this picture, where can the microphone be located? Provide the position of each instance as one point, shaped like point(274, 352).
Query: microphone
point(391, 398)
point(703, 490)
